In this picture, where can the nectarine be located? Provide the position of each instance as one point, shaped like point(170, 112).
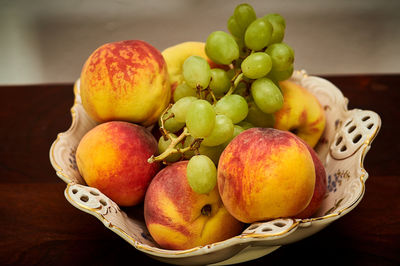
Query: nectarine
point(127, 81)
point(176, 55)
point(179, 218)
point(265, 173)
point(112, 157)
point(319, 189)
point(301, 113)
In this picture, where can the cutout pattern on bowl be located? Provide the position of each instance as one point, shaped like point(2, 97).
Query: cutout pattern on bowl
point(274, 227)
point(358, 128)
point(92, 199)
point(96, 203)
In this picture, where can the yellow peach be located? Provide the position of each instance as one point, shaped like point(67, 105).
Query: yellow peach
point(301, 113)
point(265, 173)
point(176, 55)
point(126, 81)
point(179, 218)
point(112, 157)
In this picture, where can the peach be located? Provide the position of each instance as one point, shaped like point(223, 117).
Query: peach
point(113, 158)
point(320, 187)
point(177, 54)
point(301, 113)
point(126, 81)
point(265, 173)
point(179, 218)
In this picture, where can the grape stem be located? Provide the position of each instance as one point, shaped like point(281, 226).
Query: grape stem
point(171, 148)
point(164, 132)
point(195, 145)
point(212, 96)
point(206, 91)
point(198, 91)
point(235, 81)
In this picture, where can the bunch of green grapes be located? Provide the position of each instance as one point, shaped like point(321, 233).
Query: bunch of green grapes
point(212, 106)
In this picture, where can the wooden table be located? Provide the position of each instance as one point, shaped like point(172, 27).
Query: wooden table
point(38, 225)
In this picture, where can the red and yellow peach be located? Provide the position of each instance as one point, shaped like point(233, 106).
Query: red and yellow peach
point(176, 55)
point(265, 173)
point(320, 188)
point(127, 81)
point(112, 157)
point(179, 218)
point(301, 113)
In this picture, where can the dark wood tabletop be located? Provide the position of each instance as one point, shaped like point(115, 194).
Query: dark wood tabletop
point(39, 227)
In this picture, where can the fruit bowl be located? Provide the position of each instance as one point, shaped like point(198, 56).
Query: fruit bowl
point(342, 148)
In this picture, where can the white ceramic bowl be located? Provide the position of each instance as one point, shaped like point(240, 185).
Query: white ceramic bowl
point(342, 149)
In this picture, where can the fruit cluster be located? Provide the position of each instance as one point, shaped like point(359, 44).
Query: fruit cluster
point(214, 105)
point(224, 110)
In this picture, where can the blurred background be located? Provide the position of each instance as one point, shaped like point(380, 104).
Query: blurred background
point(47, 41)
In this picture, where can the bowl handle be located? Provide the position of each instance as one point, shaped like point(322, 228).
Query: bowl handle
point(92, 201)
point(359, 129)
point(275, 228)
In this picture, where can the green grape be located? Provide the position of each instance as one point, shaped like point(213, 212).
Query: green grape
point(234, 27)
point(236, 131)
point(196, 71)
point(277, 18)
point(188, 142)
point(221, 48)
point(233, 106)
point(220, 82)
point(258, 118)
point(282, 56)
point(244, 15)
point(278, 27)
point(281, 75)
point(212, 152)
point(171, 125)
point(200, 118)
point(242, 48)
point(183, 90)
point(222, 131)
point(267, 96)
point(179, 109)
point(245, 125)
point(163, 145)
point(201, 174)
point(256, 65)
point(258, 34)
point(278, 32)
